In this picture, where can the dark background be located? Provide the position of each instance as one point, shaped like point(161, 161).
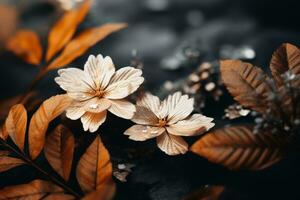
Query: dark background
point(158, 30)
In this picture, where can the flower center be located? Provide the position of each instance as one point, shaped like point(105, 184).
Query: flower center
point(99, 93)
point(162, 122)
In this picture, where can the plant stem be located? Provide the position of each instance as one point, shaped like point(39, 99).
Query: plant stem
point(32, 84)
point(38, 168)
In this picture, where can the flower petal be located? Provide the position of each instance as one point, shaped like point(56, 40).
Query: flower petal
point(149, 101)
point(124, 82)
point(194, 125)
point(144, 116)
point(100, 70)
point(92, 121)
point(122, 108)
point(96, 105)
point(75, 110)
point(171, 144)
point(77, 83)
point(142, 133)
point(179, 107)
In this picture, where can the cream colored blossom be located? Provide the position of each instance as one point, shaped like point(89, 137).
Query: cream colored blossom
point(167, 120)
point(98, 88)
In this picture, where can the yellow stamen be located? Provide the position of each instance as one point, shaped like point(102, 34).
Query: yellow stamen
point(99, 93)
point(162, 122)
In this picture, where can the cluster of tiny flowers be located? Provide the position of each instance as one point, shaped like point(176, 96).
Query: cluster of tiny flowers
point(282, 115)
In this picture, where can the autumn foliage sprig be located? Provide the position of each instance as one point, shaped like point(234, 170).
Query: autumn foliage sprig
point(276, 99)
point(63, 47)
point(93, 171)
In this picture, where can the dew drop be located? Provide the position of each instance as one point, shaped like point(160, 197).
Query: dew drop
point(93, 106)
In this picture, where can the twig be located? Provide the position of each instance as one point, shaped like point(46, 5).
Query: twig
point(38, 168)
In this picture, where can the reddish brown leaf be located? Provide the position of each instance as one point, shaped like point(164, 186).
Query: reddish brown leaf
point(64, 29)
point(7, 162)
point(94, 170)
point(50, 109)
point(212, 192)
point(59, 150)
point(286, 57)
point(82, 42)
point(16, 123)
point(34, 190)
point(8, 23)
point(246, 83)
point(238, 148)
point(26, 45)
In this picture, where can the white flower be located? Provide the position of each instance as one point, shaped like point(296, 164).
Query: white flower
point(99, 88)
point(167, 120)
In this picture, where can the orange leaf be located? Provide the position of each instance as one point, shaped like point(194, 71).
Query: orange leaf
point(3, 133)
point(94, 170)
point(7, 162)
point(8, 22)
point(82, 42)
point(105, 192)
point(16, 123)
point(50, 109)
point(286, 57)
point(64, 29)
point(212, 192)
point(238, 148)
point(33, 190)
point(26, 45)
point(246, 83)
point(59, 150)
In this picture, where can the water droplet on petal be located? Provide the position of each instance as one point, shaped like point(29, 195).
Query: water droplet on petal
point(144, 131)
point(93, 106)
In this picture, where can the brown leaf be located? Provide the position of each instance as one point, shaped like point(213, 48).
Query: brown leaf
point(26, 45)
point(16, 123)
point(59, 150)
point(286, 57)
point(82, 42)
point(246, 83)
point(8, 23)
point(238, 148)
point(212, 192)
point(64, 29)
point(7, 162)
point(94, 170)
point(34, 190)
point(50, 109)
